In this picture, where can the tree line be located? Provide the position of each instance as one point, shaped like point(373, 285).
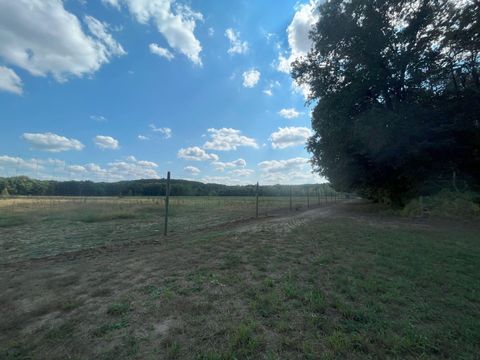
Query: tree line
point(25, 186)
point(396, 89)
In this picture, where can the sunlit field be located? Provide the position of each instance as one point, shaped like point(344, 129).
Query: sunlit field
point(40, 226)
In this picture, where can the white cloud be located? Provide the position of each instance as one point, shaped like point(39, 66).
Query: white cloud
point(290, 171)
point(44, 38)
point(242, 172)
point(131, 169)
point(251, 78)
point(106, 142)
point(269, 90)
point(211, 31)
point(51, 142)
point(10, 81)
point(273, 166)
point(237, 46)
point(98, 118)
point(143, 137)
point(76, 169)
point(147, 164)
point(196, 154)
point(174, 21)
point(227, 139)
point(290, 136)
point(99, 30)
point(192, 170)
point(305, 17)
point(221, 166)
point(162, 52)
point(298, 31)
point(113, 3)
point(16, 163)
point(289, 113)
point(165, 131)
point(128, 169)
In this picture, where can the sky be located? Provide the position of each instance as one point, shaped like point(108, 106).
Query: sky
point(110, 90)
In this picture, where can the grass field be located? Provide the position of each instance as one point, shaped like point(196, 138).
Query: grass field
point(338, 281)
point(42, 226)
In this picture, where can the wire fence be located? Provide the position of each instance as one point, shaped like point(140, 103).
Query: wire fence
point(36, 226)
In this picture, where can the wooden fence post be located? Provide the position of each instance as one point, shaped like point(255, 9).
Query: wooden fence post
point(256, 203)
point(167, 196)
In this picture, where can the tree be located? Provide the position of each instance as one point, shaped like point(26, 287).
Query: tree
point(397, 95)
point(4, 192)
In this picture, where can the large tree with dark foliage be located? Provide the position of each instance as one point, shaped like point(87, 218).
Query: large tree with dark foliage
point(397, 95)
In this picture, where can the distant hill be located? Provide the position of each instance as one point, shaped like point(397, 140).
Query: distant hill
point(23, 185)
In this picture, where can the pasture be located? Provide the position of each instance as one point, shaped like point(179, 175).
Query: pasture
point(96, 278)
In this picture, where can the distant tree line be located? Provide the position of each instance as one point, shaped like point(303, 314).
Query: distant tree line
point(23, 185)
point(396, 87)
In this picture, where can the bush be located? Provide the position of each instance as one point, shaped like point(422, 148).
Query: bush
point(446, 203)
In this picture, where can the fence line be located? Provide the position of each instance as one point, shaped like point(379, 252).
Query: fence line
point(181, 213)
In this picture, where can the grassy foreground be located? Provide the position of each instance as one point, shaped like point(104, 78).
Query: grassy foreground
point(334, 285)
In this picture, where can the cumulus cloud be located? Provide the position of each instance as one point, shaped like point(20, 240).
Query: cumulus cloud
point(298, 31)
point(16, 163)
point(142, 137)
point(106, 142)
point(127, 169)
point(226, 139)
point(291, 171)
point(10, 81)
point(268, 92)
point(237, 46)
point(165, 131)
point(162, 52)
point(221, 166)
point(192, 170)
point(174, 21)
point(76, 169)
point(51, 142)
point(251, 78)
point(132, 169)
point(290, 136)
point(43, 38)
point(196, 154)
point(242, 172)
point(289, 113)
point(299, 43)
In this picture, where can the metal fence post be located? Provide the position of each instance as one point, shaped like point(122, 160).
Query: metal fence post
point(290, 197)
point(167, 196)
point(256, 203)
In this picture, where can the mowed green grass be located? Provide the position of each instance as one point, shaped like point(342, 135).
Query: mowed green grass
point(345, 285)
point(44, 226)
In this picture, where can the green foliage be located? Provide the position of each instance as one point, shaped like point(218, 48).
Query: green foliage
point(23, 185)
point(4, 192)
point(447, 203)
point(400, 95)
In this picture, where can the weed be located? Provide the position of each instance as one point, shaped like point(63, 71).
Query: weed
point(117, 309)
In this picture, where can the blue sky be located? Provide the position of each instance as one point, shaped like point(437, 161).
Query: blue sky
point(124, 89)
